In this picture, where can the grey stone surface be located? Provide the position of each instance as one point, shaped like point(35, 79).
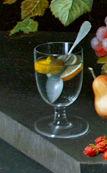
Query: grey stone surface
point(13, 161)
point(21, 106)
point(35, 146)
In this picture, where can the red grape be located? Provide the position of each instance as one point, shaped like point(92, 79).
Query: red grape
point(100, 51)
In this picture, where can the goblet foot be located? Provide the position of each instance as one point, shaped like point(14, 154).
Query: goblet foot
point(76, 127)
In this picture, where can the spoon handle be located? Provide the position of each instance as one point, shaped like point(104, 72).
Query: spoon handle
point(84, 29)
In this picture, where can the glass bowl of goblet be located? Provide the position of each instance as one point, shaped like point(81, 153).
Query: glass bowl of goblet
point(59, 79)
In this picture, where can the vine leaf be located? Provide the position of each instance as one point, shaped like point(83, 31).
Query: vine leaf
point(26, 26)
point(69, 10)
point(31, 8)
point(9, 1)
point(102, 60)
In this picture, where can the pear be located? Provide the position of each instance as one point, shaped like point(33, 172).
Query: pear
point(99, 86)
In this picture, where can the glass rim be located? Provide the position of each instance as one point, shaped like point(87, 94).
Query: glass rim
point(59, 42)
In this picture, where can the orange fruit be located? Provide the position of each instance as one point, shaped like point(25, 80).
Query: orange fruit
point(71, 71)
point(49, 65)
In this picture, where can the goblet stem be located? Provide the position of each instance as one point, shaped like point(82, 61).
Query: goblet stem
point(60, 126)
point(60, 118)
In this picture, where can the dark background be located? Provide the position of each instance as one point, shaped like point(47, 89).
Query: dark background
point(10, 14)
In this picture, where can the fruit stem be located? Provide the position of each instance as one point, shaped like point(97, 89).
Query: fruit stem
point(92, 72)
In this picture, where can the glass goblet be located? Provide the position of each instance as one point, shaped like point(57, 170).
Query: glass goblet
point(59, 80)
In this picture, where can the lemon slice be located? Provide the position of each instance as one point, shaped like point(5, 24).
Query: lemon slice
point(71, 71)
point(71, 59)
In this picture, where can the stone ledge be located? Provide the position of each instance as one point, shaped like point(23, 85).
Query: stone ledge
point(36, 147)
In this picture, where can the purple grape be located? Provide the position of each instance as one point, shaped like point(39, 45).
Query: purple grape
point(105, 20)
point(101, 33)
point(94, 43)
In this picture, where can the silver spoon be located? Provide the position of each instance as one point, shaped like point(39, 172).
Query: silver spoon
point(84, 29)
point(54, 87)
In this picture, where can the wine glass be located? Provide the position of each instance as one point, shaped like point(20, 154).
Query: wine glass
point(59, 81)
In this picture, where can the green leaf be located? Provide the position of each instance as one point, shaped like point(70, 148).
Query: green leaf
point(102, 60)
point(26, 26)
point(69, 10)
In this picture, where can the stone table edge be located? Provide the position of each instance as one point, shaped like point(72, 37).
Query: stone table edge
point(36, 147)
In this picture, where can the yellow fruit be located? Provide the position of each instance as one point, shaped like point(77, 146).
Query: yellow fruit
point(100, 92)
point(71, 71)
point(49, 65)
point(42, 65)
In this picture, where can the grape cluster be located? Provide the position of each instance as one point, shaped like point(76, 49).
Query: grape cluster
point(99, 42)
